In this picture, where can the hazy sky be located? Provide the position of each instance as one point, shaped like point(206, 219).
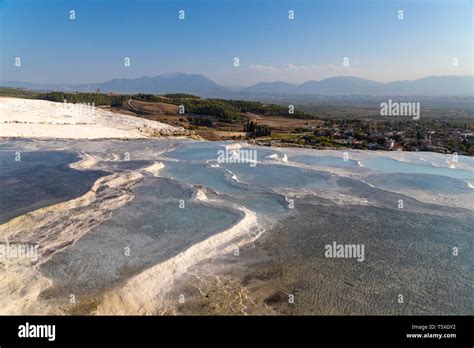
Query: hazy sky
point(270, 47)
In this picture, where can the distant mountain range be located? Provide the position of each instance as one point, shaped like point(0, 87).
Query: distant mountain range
point(334, 86)
point(349, 85)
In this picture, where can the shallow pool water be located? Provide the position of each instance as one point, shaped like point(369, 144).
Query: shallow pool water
point(408, 250)
point(325, 161)
point(420, 182)
point(159, 223)
point(39, 179)
point(388, 165)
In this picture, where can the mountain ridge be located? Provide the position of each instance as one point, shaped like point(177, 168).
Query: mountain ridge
point(443, 85)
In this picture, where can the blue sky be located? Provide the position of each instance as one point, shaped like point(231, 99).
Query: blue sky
point(270, 47)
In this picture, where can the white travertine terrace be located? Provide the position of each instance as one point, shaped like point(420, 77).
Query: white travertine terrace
point(29, 118)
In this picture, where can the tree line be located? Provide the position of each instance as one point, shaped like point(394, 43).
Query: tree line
point(257, 130)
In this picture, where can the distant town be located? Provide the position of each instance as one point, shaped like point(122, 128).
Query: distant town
point(436, 135)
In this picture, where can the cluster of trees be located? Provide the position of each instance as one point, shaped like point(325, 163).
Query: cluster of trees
point(96, 98)
point(173, 98)
point(217, 108)
point(257, 130)
point(148, 97)
point(267, 109)
point(320, 141)
point(229, 110)
point(466, 147)
point(200, 121)
point(18, 93)
point(212, 107)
